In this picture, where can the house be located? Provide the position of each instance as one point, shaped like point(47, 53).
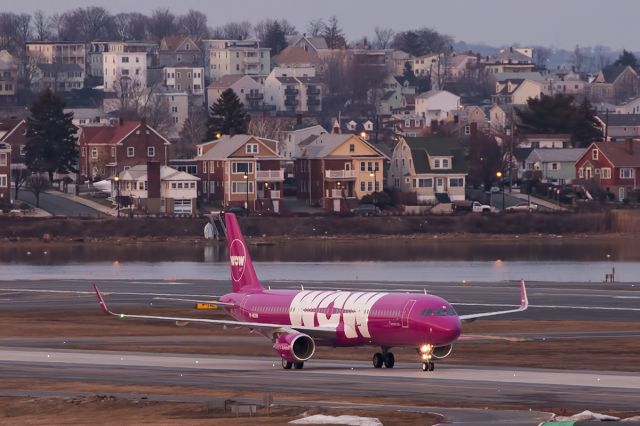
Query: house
point(16, 137)
point(503, 118)
point(109, 150)
point(57, 52)
point(293, 90)
point(516, 91)
point(409, 125)
point(88, 117)
point(289, 140)
point(5, 175)
point(615, 83)
point(241, 170)
point(177, 103)
point(58, 77)
point(509, 60)
point(312, 44)
point(437, 106)
point(185, 79)
point(98, 48)
point(399, 59)
point(179, 51)
point(550, 140)
point(426, 65)
point(156, 189)
point(619, 126)
point(553, 165)
point(429, 166)
point(614, 166)
point(250, 92)
point(294, 56)
point(631, 106)
point(471, 114)
point(124, 70)
point(567, 83)
point(245, 57)
point(335, 170)
point(363, 127)
point(8, 78)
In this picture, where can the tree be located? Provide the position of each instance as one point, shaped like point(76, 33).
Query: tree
point(162, 23)
point(578, 58)
point(333, 34)
point(192, 133)
point(383, 37)
point(37, 183)
point(233, 31)
point(194, 23)
point(19, 176)
point(315, 27)
point(274, 38)
point(268, 127)
point(541, 56)
point(486, 158)
point(42, 25)
point(51, 141)
point(560, 114)
point(408, 73)
point(627, 58)
point(227, 115)
point(421, 42)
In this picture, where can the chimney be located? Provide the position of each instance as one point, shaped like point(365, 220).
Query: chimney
point(299, 119)
point(153, 179)
point(232, 132)
point(628, 146)
point(143, 122)
point(247, 121)
point(121, 121)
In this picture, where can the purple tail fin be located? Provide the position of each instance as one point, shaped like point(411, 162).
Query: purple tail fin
point(243, 276)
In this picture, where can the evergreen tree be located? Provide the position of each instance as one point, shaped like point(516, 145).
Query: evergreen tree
point(226, 114)
point(51, 140)
point(408, 73)
point(627, 58)
point(274, 38)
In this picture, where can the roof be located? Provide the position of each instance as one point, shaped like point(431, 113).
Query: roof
point(387, 95)
point(422, 148)
point(316, 42)
point(60, 67)
point(510, 55)
point(287, 80)
point(8, 124)
point(320, 146)
point(432, 93)
point(561, 155)
point(616, 153)
point(621, 120)
point(295, 55)
point(7, 61)
point(173, 43)
point(521, 153)
point(109, 135)
point(527, 75)
point(227, 145)
point(226, 81)
point(612, 72)
point(139, 172)
point(4, 145)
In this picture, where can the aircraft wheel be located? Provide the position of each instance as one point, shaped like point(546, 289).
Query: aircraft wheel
point(298, 365)
point(286, 364)
point(425, 366)
point(432, 366)
point(378, 360)
point(389, 360)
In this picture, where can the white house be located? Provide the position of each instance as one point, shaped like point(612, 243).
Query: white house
point(289, 148)
point(178, 190)
point(250, 91)
point(437, 105)
point(223, 57)
point(293, 90)
point(554, 165)
point(516, 91)
point(122, 69)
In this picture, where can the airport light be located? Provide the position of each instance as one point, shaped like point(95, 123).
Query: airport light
point(117, 180)
point(246, 183)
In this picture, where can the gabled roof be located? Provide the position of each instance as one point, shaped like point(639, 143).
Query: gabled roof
point(315, 42)
point(321, 146)
point(107, 135)
point(511, 55)
point(432, 93)
point(612, 72)
point(8, 124)
point(621, 120)
point(294, 55)
point(227, 145)
point(5, 146)
point(226, 81)
point(438, 146)
point(174, 43)
point(561, 155)
point(617, 153)
point(139, 172)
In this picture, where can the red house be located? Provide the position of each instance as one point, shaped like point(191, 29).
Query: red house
point(108, 150)
point(15, 134)
point(614, 165)
point(5, 175)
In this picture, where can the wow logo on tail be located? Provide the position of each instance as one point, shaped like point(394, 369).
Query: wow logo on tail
point(237, 257)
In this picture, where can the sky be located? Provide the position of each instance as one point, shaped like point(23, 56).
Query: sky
point(553, 23)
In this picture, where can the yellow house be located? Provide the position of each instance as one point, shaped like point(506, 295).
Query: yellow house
point(335, 170)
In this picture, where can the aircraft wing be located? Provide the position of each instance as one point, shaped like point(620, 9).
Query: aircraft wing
point(209, 302)
point(524, 304)
point(272, 329)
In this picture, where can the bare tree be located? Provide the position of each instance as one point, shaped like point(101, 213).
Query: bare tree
point(315, 27)
point(578, 58)
point(19, 176)
point(192, 133)
point(333, 34)
point(193, 23)
point(156, 112)
point(384, 36)
point(541, 56)
point(268, 127)
point(23, 28)
point(237, 30)
point(42, 25)
point(38, 183)
point(94, 22)
point(162, 23)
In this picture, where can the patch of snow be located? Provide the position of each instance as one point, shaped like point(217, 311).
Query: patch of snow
point(631, 419)
point(585, 415)
point(320, 419)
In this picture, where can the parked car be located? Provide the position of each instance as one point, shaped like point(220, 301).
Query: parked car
point(478, 207)
point(238, 211)
point(523, 207)
point(366, 210)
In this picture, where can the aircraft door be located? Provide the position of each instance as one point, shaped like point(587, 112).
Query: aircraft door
point(406, 311)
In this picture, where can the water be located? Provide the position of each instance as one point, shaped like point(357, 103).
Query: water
point(400, 260)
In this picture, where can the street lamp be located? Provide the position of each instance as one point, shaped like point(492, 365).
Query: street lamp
point(363, 135)
point(117, 179)
point(375, 183)
point(246, 183)
point(499, 176)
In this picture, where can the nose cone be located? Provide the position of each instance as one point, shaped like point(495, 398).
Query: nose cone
point(445, 330)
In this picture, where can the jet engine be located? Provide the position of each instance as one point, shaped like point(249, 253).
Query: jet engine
point(295, 347)
point(442, 352)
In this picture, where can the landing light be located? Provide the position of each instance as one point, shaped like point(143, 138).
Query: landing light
point(121, 316)
point(425, 349)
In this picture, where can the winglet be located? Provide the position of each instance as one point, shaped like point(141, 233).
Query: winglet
point(524, 300)
point(103, 306)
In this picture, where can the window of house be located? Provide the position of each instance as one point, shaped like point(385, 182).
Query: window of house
point(179, 185)
point(113, 151)
point(3, 159)
point(606, 173)
point(627, 173)
point(436, 163)
point(425, 183)
point(3, 181)
point(131, 151)
point(241, 167)
point(83, 151)
point(125, 59)
point(151, 151)
point(251, 148)
point(594, 154)
point(555, 166)
point(457, 182)
point(369, 166)
point(362, 166)
point(362, 186)
point(239, 187)
point(581, 173)
point(445, 163)
point(94, 153)
point(140, 186)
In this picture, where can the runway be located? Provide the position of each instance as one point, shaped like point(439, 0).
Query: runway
point(454, 384)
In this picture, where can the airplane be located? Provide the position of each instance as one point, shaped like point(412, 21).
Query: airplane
point(296, 321)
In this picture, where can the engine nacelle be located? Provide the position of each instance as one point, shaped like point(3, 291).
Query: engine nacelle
point(295, 347)
point(442, 352)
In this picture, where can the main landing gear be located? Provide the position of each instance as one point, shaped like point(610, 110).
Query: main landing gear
point(288, 364)
point(385, 358)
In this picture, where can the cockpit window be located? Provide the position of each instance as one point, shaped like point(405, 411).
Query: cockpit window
point(445, 311)
point(427, 312)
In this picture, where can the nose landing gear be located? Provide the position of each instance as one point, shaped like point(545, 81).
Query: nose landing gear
point(426, 354)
